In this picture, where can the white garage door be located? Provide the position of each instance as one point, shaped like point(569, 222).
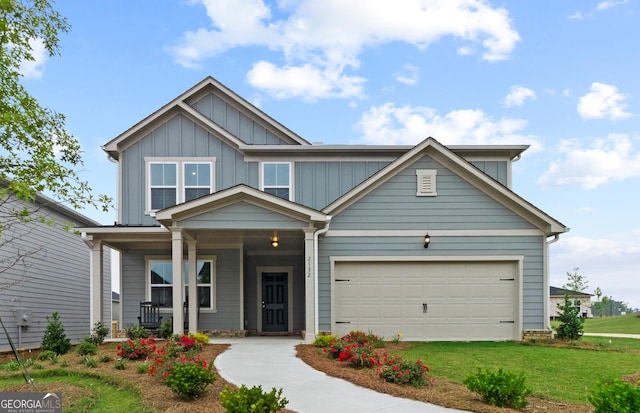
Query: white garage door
point(428, 300)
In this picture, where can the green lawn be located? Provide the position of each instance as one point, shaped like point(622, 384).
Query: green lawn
point(626, 324)
point(564, 374)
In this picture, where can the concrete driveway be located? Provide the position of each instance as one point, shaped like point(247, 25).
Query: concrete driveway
point(272, 362)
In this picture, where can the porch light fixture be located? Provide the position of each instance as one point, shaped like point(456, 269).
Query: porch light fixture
point(427, 240)
point(274, 241)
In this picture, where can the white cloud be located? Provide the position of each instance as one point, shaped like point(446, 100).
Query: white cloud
point(518, 95)
point(32, 69)
point(407, 125)
point(605, 5)
point(605, 160)
point(330, 34)
point(604, 101)
point(607, 262)
point(577, 16)
point(408, 75)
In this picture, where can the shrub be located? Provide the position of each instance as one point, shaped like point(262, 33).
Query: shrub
point(200, 338)
point(189, 377)
point(324, 340)
point(105, 359)
point(89, 361)
point(571, 324)
point(356, 349)
point(136, 349)
point(10, 366)
point(120, 364)
point(86, 347)
point(48, 355)
point(615, 397)
point(143, 367)
point(401, 371)
point(134, 332)
point(253, 400)
point(166, 329)
point(98, 333)
point(502, 389)
point(54, 338)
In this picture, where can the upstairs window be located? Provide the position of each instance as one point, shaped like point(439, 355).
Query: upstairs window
point(177, 180)
point(276, 179)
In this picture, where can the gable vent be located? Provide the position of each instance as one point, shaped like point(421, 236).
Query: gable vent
point(426, 182)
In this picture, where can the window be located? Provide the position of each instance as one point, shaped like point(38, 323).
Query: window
point(173, 181)
point(160, 281)
point(426, 182)
point(276, 179)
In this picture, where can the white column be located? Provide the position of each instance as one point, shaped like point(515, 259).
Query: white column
point(96, 283)
point(309, 286)
point(178, 280)
point(193, 288)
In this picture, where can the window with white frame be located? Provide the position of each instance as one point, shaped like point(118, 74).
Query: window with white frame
point(276, 179)
point(160, 281)
point(174, 181)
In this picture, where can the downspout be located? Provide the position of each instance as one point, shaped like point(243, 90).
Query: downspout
point(88, 240)
point(545, 283)
point(316, 235)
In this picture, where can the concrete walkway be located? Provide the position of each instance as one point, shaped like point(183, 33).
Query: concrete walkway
point(272, 362)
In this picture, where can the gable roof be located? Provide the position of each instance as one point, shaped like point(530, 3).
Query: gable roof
point(182, 105)
point(234, 195)
point(462, 168)
point(555, 291)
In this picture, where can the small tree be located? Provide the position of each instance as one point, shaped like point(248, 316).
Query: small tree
point(576, 281)
point(571, 324)
point(54, 338)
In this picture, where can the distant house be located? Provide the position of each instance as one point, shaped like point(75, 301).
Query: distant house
point(582, 301)
point(254, 229)
point(45, 267)
point(115, 306)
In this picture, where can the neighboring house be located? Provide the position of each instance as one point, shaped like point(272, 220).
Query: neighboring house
point(582, 301)
point(115, 306)
point(45, 267)
point(278, 235)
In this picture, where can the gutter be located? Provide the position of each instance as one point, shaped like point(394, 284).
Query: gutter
point(316, 235)
point(88, 239)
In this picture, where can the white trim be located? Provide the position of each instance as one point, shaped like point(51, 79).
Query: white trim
point(267, 269)
point(305, 157)
point(180, 186)
point(167, 258)
point(517, 259)
point(290, 186)
point(434, 233)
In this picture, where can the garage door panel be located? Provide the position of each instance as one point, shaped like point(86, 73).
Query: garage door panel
point(464, 301)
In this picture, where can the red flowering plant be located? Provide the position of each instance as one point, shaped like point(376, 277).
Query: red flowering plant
point(136, 349)
point(356, 349)
point(398, 370)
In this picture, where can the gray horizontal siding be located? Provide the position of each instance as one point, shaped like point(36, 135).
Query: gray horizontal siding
point(235, 122)
point(458, 205)
point(320, 183)
point(531, 247)
point(54, 277)
point(243, 215)
point(227, 288)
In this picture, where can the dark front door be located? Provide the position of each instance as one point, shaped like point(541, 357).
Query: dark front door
point(275, 305)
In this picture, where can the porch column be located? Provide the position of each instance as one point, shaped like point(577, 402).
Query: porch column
point(96, 282)
point(193, 287)
point(178, 280)
point(309, 287)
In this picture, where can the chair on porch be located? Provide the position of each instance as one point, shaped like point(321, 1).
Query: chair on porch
point(149, 317)
point(185, 313)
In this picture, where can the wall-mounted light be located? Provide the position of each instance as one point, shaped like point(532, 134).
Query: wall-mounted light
point(274, 241)
point(427, 240)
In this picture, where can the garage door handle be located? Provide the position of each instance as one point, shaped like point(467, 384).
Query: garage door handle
point(425, 308)
point(507, 322)
point(343, 322)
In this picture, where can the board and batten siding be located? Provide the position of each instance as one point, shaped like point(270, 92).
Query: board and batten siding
point(531, 247)
point(235, 122)
point(179, 137)
point(55, 278)
point(319, 183)
point(227, 288)
point(498, 170)
point(458, 206)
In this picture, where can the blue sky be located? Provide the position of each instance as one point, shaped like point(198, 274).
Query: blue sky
point(559, 76)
